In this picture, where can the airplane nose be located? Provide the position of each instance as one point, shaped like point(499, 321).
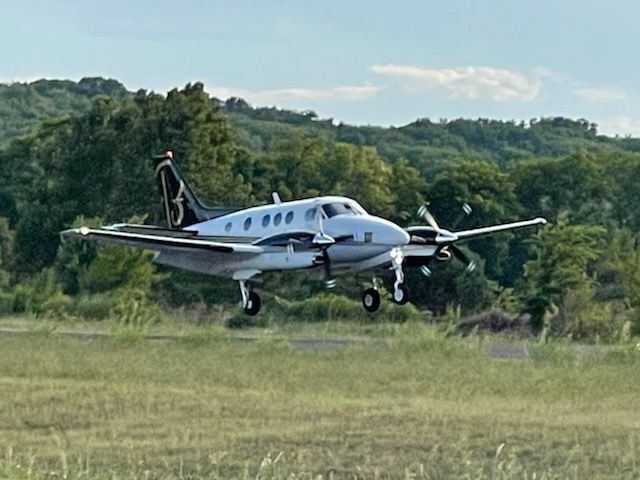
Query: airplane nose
point(392, 234)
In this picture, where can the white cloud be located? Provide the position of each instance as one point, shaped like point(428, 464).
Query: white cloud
point(622, 126)
point(349, 93)
point(470, 82)
point(599, 94)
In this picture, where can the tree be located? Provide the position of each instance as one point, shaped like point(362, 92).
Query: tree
point(490, 193)
point(563, 255)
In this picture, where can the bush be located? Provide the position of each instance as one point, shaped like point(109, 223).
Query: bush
point(330, 307)
point(56, 307)
point(93, 307)
point(32, 295)
point(242, 320)
point(132, 316)
point(6, 303)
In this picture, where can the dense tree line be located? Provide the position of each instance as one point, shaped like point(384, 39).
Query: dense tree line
point(87, 160)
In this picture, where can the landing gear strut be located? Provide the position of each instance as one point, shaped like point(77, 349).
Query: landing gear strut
point(400, 293)
point(250, 299)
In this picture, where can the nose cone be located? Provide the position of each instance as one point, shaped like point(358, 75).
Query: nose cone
point(379, 230)
point(389, 233)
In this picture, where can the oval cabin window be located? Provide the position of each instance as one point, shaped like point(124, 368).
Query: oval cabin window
point(247, 223)
point(310, 215)
point(289, 218)
point(265, 220)
point(227, 227)
point(277, 219)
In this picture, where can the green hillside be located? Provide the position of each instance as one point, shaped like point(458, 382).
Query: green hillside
point(22, 105)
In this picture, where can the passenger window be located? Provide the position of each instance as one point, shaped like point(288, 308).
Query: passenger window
point(247, 223)
point(227, 227)
point(310, 215)
point(265, 220)
point(277, 219)
point(289, 218)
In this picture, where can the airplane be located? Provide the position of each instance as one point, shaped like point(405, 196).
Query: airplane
point(328, 232)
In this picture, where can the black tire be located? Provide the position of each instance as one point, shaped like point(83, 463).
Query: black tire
point(371, 300)
point(253, 304)
point(401, 295)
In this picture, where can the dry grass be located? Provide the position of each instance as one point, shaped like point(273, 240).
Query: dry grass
point(205, 408)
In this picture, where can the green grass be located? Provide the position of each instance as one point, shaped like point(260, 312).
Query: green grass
point(204, 407)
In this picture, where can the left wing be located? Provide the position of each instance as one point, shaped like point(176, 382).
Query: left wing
point(477, 232)
point(161, 241)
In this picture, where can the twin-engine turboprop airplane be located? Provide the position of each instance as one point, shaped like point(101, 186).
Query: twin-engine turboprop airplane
point(323, 232)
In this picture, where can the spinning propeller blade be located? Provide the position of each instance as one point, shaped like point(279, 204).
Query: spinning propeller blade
point(460, 255)
point(466, 211)
point(325, 241)
point(423, 212)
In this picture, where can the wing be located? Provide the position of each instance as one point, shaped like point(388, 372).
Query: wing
point(477, 232)
point(161, 240)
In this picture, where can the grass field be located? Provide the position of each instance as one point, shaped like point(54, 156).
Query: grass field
point(421, 407)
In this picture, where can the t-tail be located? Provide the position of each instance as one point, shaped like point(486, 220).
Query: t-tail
point(181, 206)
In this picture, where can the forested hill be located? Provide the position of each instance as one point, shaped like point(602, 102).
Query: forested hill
point(431, 146)
point(79, 153)
point(428, 145)
point(23, 104)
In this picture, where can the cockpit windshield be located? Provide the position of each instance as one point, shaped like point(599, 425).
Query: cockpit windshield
point(341, 208)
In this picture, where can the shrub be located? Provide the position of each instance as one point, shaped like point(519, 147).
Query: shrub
point(6, 303)
point(132, 317)
point(31, 296)
point(93, 307)
point(56, 307)
point(331, 307)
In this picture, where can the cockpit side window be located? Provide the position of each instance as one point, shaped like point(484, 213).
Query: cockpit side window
point(339, 208)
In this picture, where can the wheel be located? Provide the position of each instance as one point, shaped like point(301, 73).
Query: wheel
point(401, 295)
point(371, 300)
point(253, 304)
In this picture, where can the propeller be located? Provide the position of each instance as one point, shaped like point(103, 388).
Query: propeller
point(466, 211)
point(445, 237)
point(426, 271)
point(460, 255)
point(423, 212)
point(324, 241)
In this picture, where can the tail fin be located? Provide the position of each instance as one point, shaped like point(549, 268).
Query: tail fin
point(182, 208)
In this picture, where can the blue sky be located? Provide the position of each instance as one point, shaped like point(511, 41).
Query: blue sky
point(362, 62)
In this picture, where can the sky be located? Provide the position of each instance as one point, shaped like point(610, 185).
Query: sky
point(359, 62)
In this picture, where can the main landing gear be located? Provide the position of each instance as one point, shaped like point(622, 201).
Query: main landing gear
point(371, 300)
point(400, 295)
point(250, 299)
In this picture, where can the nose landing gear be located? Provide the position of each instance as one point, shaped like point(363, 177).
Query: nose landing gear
point(400, 293)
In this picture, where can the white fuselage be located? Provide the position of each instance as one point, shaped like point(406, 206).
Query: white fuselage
point(358, 235)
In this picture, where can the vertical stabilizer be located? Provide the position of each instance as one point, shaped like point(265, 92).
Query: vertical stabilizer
point(181, 206)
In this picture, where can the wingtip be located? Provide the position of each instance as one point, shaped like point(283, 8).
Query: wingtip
point(84, 231)
point(542, 220)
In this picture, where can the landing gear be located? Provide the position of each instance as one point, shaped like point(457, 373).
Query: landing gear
point(400, 295)
point(371, 300)
point(250, 299)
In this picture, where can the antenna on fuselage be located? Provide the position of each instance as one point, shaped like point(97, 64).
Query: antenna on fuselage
point(276, 198)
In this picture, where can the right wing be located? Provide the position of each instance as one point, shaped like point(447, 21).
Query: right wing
point(161, 240)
